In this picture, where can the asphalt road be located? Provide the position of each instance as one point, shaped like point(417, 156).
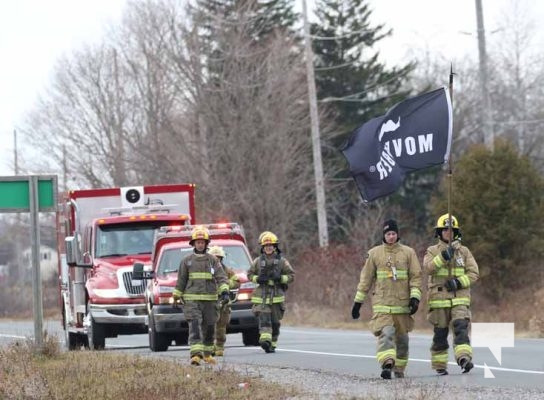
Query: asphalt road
point(341, 351)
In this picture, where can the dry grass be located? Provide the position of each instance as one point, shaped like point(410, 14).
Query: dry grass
point(27, 372)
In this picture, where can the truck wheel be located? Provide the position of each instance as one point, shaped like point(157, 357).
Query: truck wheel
point(182, 339)
point(71, 340)
point(96, 334)
point(157, 341)
point(250, 337)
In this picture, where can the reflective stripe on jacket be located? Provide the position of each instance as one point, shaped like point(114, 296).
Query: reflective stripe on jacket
point(396, 273)
point(200, 278)
point(462, 266)
point(271, 292)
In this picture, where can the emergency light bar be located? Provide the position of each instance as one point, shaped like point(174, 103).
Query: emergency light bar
point(147, 209)
point(231, 228)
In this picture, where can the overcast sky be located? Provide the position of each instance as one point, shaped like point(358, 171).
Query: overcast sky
point(34, 33)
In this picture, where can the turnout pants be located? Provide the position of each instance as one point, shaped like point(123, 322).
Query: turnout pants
point(458, 318)
point(221, 327)
point(269, 317)
point(393, 342)
point(201, 317)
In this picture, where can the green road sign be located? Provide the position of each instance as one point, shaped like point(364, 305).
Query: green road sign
point(15, 193)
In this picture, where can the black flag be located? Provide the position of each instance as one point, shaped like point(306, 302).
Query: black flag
point(414, 134)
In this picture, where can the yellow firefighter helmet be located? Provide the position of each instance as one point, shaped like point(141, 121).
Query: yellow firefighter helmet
point(268, 238)
point(201, 233)
point(444, 222)
point(217, 251)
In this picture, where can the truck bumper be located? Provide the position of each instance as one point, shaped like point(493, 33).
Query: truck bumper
point(171, 320)
point(242, 318)
point(119, 313)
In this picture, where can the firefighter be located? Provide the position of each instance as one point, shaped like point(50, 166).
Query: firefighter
point(452, 270)
point(272, 272)
point(200, 278)
point(225, 309)
point(395, 271)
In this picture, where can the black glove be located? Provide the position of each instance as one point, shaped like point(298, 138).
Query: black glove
point(225, 297)
point(276, 276)
point(448, 253)
point(355, 314)
point(453, 284)
point(414, 305)
point(262, 279)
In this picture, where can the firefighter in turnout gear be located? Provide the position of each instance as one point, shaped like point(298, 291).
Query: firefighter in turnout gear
point(200, 278)
point(272, 272)
point(225, 309)
point(452, 270)
point(395, 272)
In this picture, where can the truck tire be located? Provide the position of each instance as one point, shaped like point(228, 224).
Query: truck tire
point(71, 339)
point(96, 334)
point(157, 341)
point(250, 337)
point(182, 339)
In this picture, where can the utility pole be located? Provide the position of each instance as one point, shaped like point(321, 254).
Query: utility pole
point(316, 145)
point(17, 229)
point(486, 102)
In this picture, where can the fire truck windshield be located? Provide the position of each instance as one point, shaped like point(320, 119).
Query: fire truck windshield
point(236, 257)
point(124, 239)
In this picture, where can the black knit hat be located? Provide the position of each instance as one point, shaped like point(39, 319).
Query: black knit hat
point(390, 225)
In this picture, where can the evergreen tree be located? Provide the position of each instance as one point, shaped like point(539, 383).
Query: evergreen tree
point(347, 67)
point(354, 85)
point(497, 197)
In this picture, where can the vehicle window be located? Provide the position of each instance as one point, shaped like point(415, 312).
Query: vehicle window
point(124, 239)
point(236, 257)
point(171, 259)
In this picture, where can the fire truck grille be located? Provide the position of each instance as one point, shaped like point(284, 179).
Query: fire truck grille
point(130, 287)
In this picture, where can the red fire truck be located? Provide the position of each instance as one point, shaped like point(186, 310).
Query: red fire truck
point(166, 323)
point(103, 233)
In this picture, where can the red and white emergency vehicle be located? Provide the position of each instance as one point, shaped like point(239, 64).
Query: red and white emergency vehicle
point(167, 323)
point(104, 232)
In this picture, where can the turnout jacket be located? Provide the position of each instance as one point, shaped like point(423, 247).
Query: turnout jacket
point(271, 292)
point(462, 266)
point(395, 271)
point(200, 278)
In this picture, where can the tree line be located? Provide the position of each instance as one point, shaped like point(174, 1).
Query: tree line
point(214, 93)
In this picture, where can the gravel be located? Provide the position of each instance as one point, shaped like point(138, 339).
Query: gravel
point(317, 384)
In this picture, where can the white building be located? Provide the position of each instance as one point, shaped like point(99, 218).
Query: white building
point(48, 259)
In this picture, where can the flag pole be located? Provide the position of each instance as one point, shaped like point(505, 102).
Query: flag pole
point(450, 179)
point(450, 168)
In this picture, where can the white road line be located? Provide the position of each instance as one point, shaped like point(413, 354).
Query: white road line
point(522, 371)
point(14, 336)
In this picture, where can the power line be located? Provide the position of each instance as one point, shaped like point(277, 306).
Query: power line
point(336, 66)
point(343, 36)
point(352, 97)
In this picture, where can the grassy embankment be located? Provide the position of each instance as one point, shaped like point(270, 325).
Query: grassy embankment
point(27, 372)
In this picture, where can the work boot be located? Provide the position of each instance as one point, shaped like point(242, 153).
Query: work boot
point(399, 374)
point(386, 371)
point(195, 360)
point(442, 371)
point(219, 352)
point(209, 360)
point(466, 364)
point(267, 346)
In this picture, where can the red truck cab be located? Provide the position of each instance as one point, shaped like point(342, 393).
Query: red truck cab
point(105, 232)
point(167, 323)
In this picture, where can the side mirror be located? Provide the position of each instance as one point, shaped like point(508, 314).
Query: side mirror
point(73, 255)
point(139, 272)
point(72, 250)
